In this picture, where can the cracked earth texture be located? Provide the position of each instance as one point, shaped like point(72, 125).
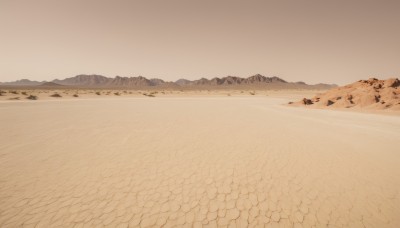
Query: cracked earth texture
point(196, 162)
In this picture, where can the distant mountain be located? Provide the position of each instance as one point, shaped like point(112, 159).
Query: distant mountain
point(157, 81)
point(232, 80)
point(254, 81)
point(102, 81)
point(50, 84)
point(23, 82)
point(129, 82)
point(84, 80)
point(323, 84)
point(258, 78)
point(183, 82)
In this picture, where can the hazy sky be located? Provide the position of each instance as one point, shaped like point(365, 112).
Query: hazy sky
point(314, 41)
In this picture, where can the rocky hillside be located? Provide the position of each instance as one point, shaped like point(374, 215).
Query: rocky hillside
point(366, 94)
point(84, 80)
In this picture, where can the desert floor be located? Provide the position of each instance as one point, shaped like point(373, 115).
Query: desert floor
point(196, 161)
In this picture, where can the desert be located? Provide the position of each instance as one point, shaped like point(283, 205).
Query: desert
point(194, 159)
point(214, 114)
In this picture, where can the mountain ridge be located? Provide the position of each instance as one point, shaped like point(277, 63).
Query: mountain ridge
point(95, 80)
point(23, 82)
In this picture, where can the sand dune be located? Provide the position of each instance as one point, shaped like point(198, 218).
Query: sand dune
point(192, 162)
point(371, 94)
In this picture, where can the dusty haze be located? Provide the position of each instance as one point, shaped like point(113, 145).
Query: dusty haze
point(313, 41)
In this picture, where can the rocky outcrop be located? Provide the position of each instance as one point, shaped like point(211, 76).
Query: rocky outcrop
point(366, 94)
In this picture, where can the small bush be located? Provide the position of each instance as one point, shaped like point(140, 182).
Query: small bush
point(75, 95)
point(14, 92)
point(98, 93)
point(55, 95)
point(24, 93)
point(149, 95)
point(2, 92)
point(14, 98)
point(117, 94)
point(32, 97)
point(252, 93)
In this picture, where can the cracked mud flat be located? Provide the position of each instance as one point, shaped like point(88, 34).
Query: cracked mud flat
point(196, 162)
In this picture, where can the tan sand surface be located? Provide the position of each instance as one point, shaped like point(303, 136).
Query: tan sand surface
point(20, 95)
point(196, 161)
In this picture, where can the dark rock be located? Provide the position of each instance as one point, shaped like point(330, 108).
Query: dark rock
point(307, 101)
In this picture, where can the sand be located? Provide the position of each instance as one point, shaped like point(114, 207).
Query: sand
point(22, 94)
point(196, 161)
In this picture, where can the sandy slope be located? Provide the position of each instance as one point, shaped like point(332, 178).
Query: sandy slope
point(196, 161)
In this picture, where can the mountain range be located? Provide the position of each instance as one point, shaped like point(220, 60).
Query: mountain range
point(99, 81)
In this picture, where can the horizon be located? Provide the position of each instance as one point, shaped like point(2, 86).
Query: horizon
point(150, 78)
point(208, 78)
point(336, 42)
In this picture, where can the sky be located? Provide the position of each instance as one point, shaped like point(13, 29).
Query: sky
point(314, 41)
